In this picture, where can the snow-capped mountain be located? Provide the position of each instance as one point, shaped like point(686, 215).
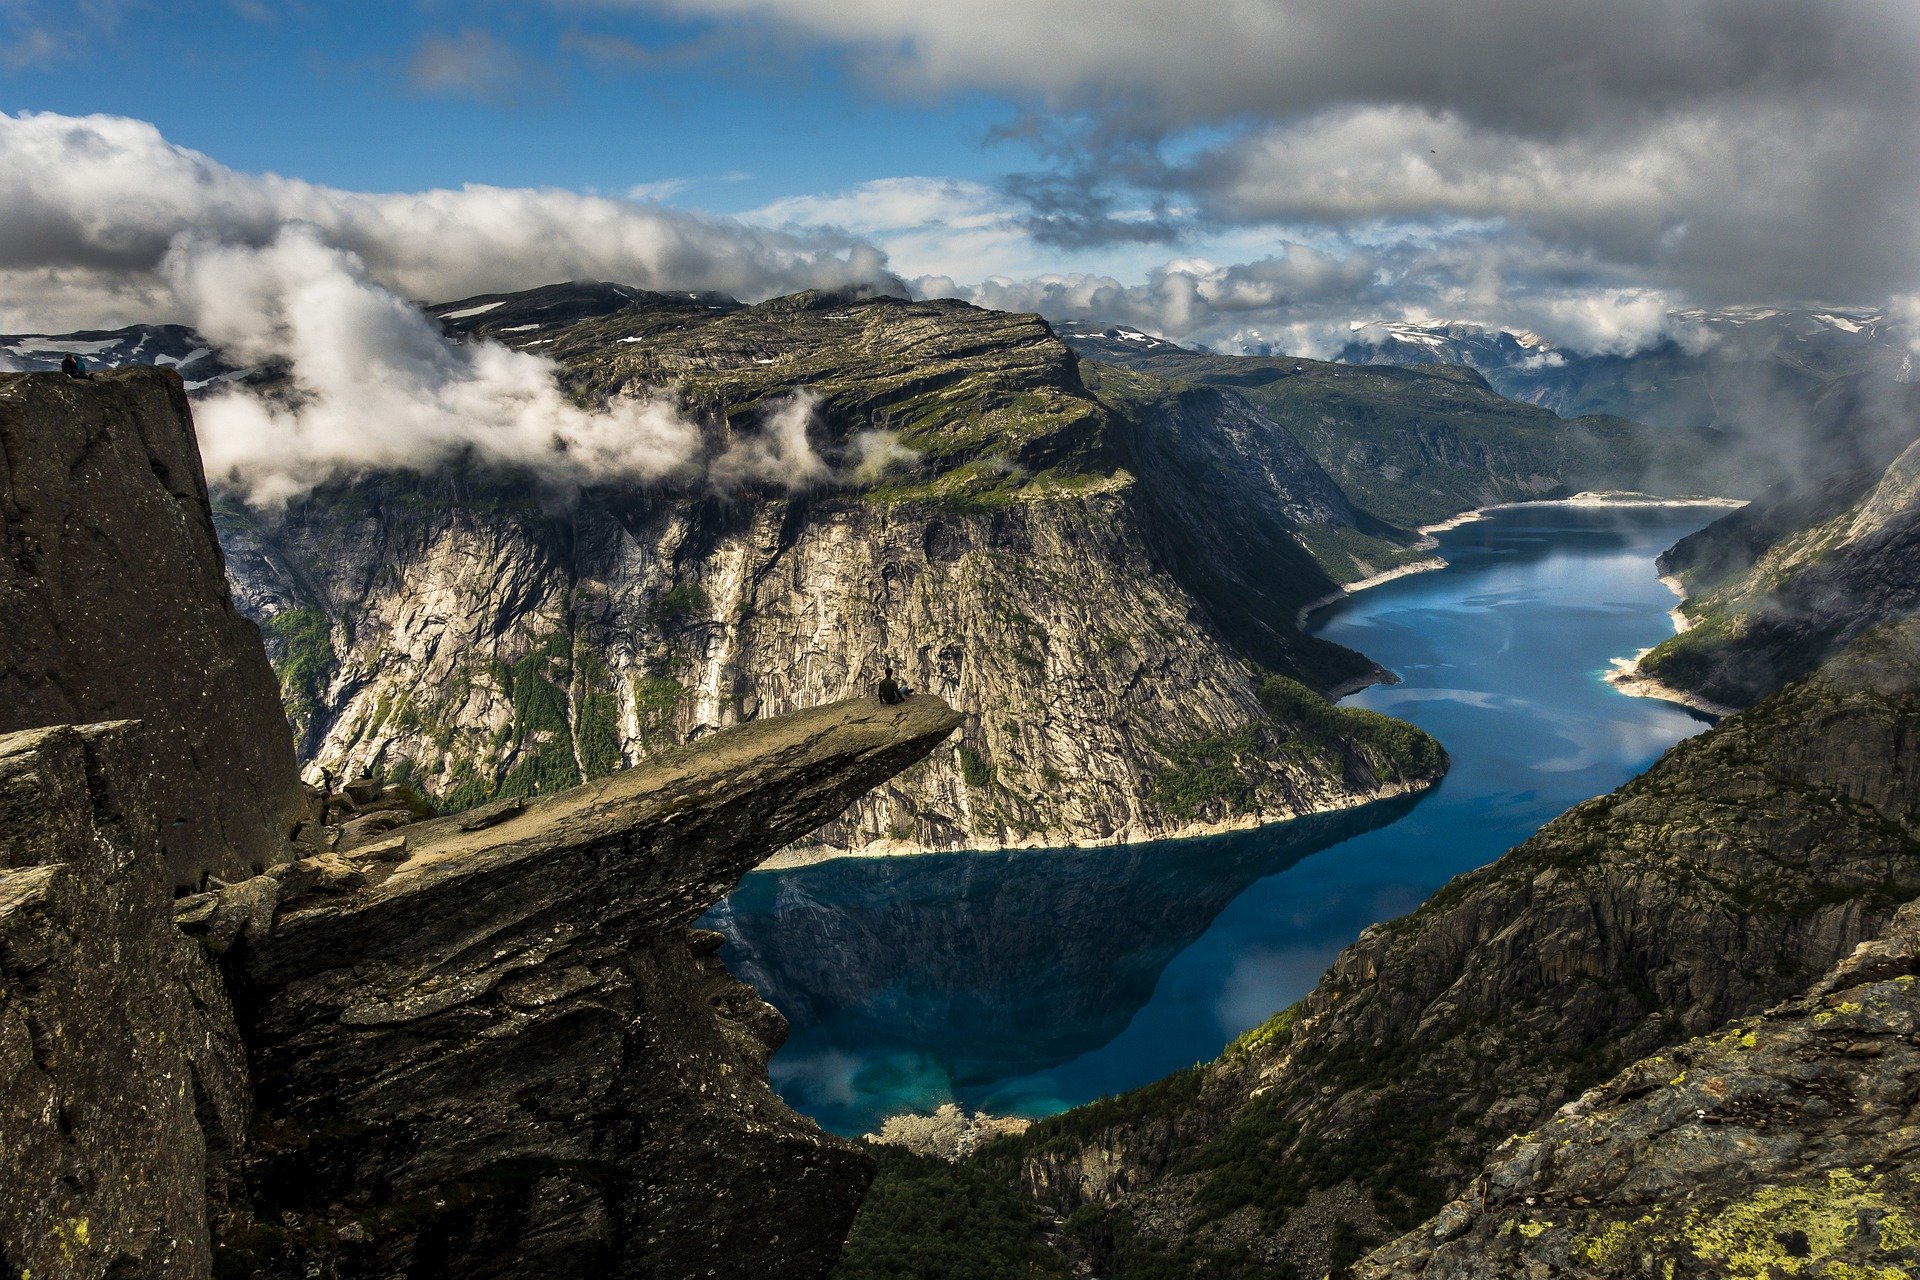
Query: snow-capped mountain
point(1111, 340)
point(168, 345)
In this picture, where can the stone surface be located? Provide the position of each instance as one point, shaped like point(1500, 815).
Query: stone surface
point(123, 1087)
point(1776, 589)
point(113, 591)
point(1784, 1145)
point(505, 1054)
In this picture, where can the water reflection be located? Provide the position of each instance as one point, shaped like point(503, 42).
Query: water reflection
point(952, 973)
point(1028, 982)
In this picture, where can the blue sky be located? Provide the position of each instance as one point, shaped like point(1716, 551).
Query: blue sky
point(1248, 172)
point(324, 92)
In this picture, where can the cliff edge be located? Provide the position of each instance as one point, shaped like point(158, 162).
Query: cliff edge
point(114, 592)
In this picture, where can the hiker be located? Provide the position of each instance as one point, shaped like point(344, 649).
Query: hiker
point(74, 367)
point(891, 691)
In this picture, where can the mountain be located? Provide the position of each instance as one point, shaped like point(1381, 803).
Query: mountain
point(1742, 867)
point(1774, 589)
point(1107, 585)
point(169, 346)
point(1776, 1146)
point(1414, 446)
point(1784, 391)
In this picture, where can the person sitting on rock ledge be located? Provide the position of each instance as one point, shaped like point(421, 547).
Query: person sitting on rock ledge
point(891, 691)
point(74, 367)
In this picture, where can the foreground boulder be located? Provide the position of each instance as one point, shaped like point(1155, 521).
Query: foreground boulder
point(122, 1082)
point(506, 1054)
point(114, 596)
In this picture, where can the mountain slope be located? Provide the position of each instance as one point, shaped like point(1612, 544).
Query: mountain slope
point(1774, 589)
point(1778, 1146)
point(1411, 447)
point(1108, 587)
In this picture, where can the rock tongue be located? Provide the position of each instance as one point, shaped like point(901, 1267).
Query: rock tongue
point(527, 998)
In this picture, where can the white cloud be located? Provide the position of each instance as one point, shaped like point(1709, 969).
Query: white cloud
point(1765, 150)
point(90, 205)
point(379, 388)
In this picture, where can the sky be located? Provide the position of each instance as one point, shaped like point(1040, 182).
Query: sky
point(1239, 173)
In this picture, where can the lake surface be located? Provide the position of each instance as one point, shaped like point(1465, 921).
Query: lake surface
point(1024, 983)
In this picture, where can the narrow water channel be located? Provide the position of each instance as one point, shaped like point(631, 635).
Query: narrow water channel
point(1024, 983)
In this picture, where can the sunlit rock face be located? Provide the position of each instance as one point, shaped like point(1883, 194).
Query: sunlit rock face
point(1097, 577)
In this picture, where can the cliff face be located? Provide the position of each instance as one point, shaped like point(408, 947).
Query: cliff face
point(1737, 870)
point(485, 1046)
point(111, 552)
point(123, 1085)
point(1781, 1145)
point(1089, 584)
point(1773, 591)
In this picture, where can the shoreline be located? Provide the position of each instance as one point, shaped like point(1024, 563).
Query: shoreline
point(1350, 589)
point(790, 859)
point(1590, 498)
point(1623, 679)
point(1627, 679)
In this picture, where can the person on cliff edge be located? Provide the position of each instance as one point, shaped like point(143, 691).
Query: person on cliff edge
point(891, 691)
point(74, 367)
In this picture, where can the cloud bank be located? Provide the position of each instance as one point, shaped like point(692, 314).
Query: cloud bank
point(90, 206)
point(1723, 151)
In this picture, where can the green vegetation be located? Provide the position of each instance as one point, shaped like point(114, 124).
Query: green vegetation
point(1233, 771)
point(596, 715)
point(655, 698)
point(303, 639)
point(974, 767)
point(680, 605)
point(927, 1219)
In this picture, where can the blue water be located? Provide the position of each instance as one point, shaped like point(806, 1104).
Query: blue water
point(1024, 983)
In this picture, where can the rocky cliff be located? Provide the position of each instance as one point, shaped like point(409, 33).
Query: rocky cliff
point(1774, 590)
point(111, 554)
point(123, 1082)
point(1740, 868)
point(1781, 1145)
point(1103, 588)
point(490, 1045)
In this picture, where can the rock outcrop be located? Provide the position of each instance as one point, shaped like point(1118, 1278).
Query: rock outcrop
point(1736, 871)
point(490, 1046)
point(115, 603)
point(1782, 1145)
point(123, 1085)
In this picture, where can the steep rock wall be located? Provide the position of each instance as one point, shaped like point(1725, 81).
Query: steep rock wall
point(493, 1048)
point(1737, 870)
point(116, 607)
point(123, 1085)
